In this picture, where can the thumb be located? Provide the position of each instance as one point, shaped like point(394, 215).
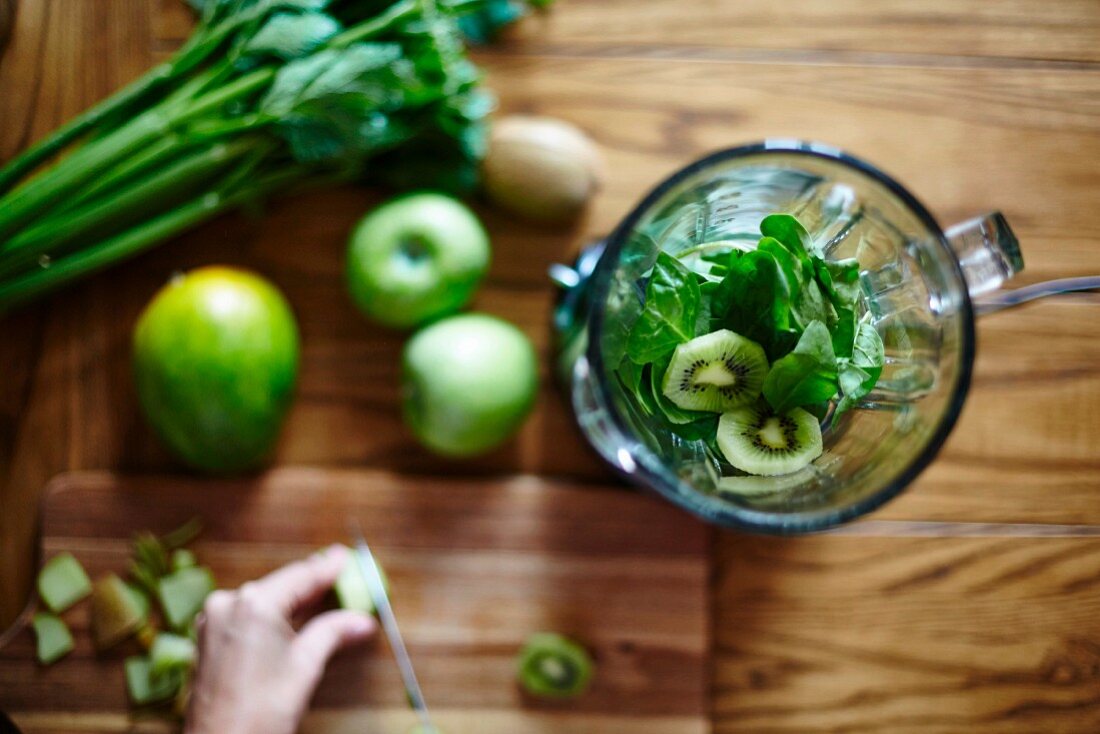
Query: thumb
point(326, 633)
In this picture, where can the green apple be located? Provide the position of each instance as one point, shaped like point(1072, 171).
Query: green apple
point(215, 361)
point(469, 382)
point(416, 258)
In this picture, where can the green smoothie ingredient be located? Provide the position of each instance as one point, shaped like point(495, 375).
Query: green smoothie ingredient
point(216, 362)
point(415, 259)
point(181, 595)
point(263, 98)
point(161, 569)
point(553, 666)
point(171, 652)
point(117, 611)
point(758, 440)
point(146, 688)
point(540, 168)
point(716, 372)
point(53, 638)
point(768, 338)
point(469, 383)
point(351, 588)
point(62, 582)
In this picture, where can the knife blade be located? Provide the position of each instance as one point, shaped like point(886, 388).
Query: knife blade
point(368, 568)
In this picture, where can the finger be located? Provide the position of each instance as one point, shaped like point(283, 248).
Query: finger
point(324, 635)
point(214, 611)
point(295, 585)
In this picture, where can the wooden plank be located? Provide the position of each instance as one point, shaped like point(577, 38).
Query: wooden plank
point(1024, 449)
point(965, 140)
point(385, 720)
point(929, 635)
point(474, 566)
point(1027, 29)
point(45, 78)
point(1033, 126)
point(970, 28)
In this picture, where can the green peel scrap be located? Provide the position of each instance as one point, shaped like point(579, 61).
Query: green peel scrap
point(182, 593)
point(62, 582)
point(54, 639)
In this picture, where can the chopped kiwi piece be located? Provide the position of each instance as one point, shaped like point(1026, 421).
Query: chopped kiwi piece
point(145, 688)
point(182, 593)
point(757, 440)
point(554, 666)
point(759, 486)
point(171, 652)
point(183, 558)
point(62, 582)
point(117, 611)
point(715, 372)
point(141, 599)
point(52, 634)
point(351, 588)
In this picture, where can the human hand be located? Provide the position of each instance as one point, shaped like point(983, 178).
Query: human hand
point(255, 673)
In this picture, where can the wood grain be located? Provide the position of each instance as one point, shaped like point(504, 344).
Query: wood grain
point(475, 567)
point(930, 635)
point(871, 32)
point(974, 105)
point(1008, 31)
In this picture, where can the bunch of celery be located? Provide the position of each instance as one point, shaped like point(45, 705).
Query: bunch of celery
point(266, 96)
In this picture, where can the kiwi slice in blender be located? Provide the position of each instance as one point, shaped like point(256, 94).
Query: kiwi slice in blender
point(757, 440)
point(715, 372)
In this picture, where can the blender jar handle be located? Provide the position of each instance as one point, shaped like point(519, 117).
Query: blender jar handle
point(989, 254)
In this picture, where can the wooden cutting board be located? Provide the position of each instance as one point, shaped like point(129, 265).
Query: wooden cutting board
point(475, 565)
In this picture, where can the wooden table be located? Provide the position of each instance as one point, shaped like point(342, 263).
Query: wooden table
point(972, 604)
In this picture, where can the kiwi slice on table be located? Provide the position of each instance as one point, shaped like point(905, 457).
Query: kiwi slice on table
point(715, 372)
point(553, 666)
point(757, 440)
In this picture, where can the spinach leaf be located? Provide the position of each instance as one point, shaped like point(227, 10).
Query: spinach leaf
point(630, 374)
point(868, 351)
point(806, 375)
point(718, 257)
point(669, 316)
point(808, 301)
point(839, 279)
point(844, 333)
point(810, 304)
point(753, 300)
point(853, 386)
point(647, 401)
point(788, 262)
point(859, 374)
point(789, 231)
point(702, 320)
point(698, 430)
